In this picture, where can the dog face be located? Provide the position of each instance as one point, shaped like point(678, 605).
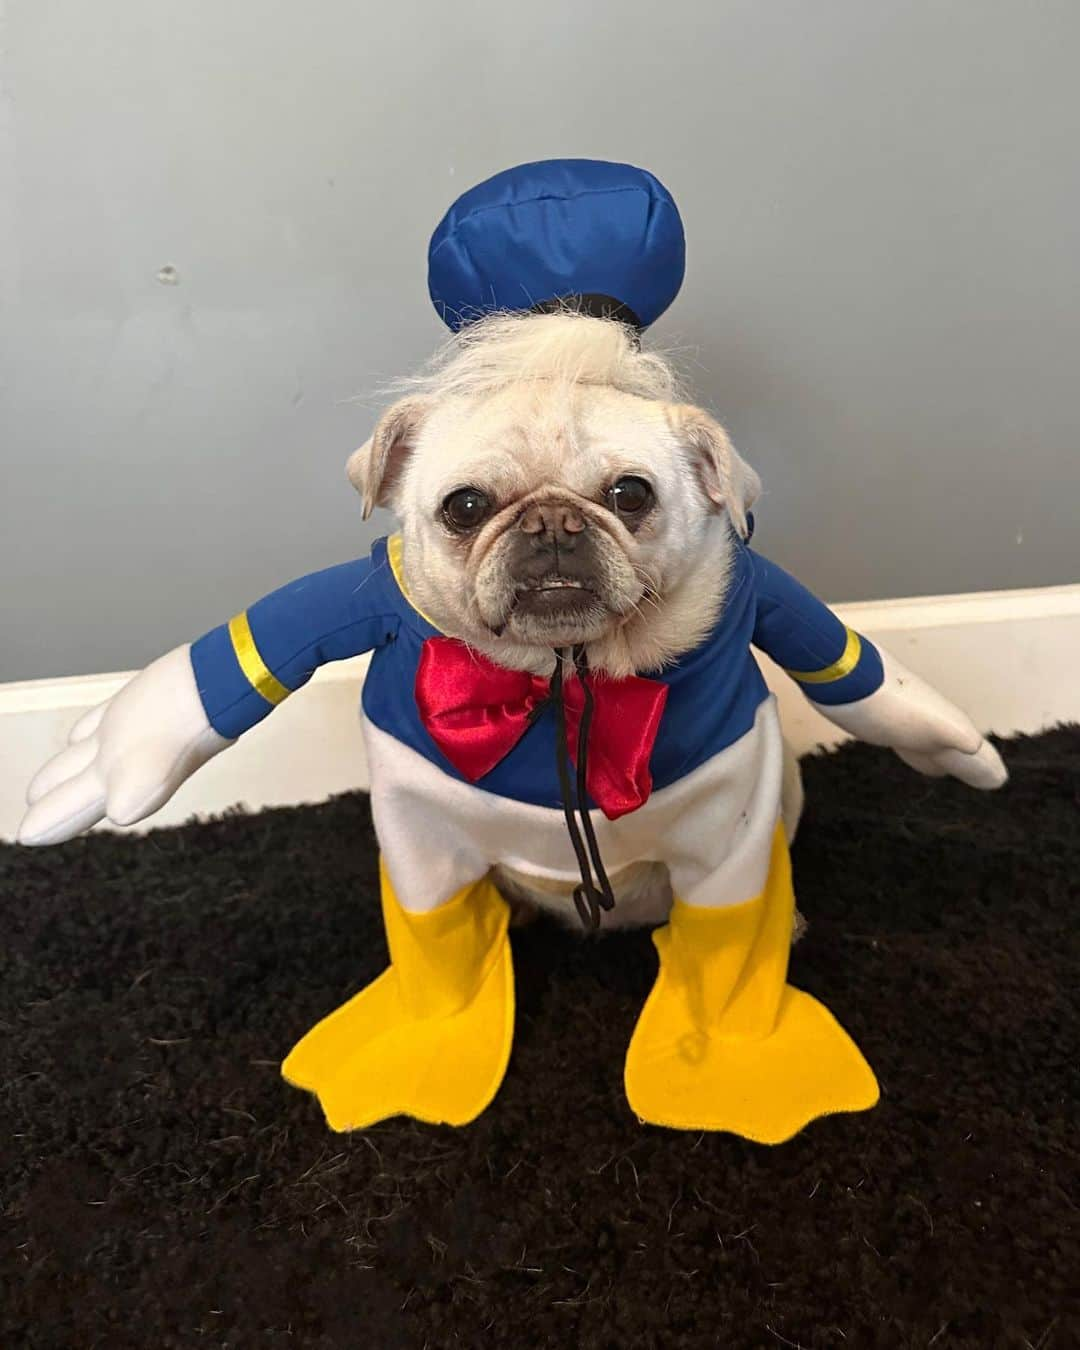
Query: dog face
point(554, 512)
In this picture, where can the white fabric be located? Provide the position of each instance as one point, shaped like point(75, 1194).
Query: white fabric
point(922, 726)
point(713, 829)
point(126, 757)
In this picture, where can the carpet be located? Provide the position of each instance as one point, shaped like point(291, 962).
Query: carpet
point(161, 1185)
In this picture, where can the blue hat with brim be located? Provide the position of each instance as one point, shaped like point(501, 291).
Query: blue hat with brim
point(603, 238)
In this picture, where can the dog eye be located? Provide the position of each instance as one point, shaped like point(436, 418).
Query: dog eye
point(466, 508)
point(629, 496)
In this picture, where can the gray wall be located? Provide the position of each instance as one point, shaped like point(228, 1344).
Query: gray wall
point(881, 202)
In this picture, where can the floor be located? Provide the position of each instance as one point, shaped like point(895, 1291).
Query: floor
point(161, 1186)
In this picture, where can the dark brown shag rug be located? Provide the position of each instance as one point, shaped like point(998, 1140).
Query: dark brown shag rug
point(161, 1185)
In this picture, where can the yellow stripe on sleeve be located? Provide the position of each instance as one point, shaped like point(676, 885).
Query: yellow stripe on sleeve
point(844, 665)
point(251, 663)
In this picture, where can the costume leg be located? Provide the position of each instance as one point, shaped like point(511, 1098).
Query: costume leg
point(430, 1038)
point(724, 1042)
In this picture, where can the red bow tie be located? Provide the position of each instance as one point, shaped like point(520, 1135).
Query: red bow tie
point(476, 712)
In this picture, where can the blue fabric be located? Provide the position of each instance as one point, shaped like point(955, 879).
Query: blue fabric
point(556, 228)
point(801, 634)
point(714, 691)
point(327, 616)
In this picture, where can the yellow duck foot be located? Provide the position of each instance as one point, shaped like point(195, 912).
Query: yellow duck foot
point(430, 1038)
point(724, 1042)
point(764, 1089)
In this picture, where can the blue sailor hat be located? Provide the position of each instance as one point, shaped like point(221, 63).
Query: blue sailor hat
point(605, 238)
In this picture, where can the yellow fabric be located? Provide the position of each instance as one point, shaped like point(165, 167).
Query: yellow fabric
point(430, 1038)
point(843, 665)
point(723, 1042)
point(251, 663)
point(394, 548)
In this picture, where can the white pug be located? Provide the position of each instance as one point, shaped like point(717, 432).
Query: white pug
point(561, 704)
point(555, 492)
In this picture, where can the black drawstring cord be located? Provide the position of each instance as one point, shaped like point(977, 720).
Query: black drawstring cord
point(604, 895)
point(591, 896)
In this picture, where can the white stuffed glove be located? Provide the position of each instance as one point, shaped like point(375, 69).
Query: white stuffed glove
point(922, 726)
point(126, 757)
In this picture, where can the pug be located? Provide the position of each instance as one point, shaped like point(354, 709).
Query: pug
point(563, 709)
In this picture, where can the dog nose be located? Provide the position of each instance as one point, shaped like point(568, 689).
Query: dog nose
point(556, 522)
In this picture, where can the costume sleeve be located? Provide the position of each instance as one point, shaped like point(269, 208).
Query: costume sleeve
point(246, 667)
point(832, 663)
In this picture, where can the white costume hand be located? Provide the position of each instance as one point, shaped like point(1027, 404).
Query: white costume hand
point(125, 758)
point(922, 726)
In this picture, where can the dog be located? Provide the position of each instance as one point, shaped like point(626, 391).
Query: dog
point(531, 420)
point(562, 710)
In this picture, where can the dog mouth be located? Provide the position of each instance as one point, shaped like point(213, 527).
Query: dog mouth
point(556, 596)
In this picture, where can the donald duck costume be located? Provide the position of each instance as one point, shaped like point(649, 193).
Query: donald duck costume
point(473, 766)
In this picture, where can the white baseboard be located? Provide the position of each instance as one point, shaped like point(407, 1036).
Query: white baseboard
point(1009, 658)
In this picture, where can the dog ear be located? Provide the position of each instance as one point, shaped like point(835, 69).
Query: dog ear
point(726, 478)
point(376, 468)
